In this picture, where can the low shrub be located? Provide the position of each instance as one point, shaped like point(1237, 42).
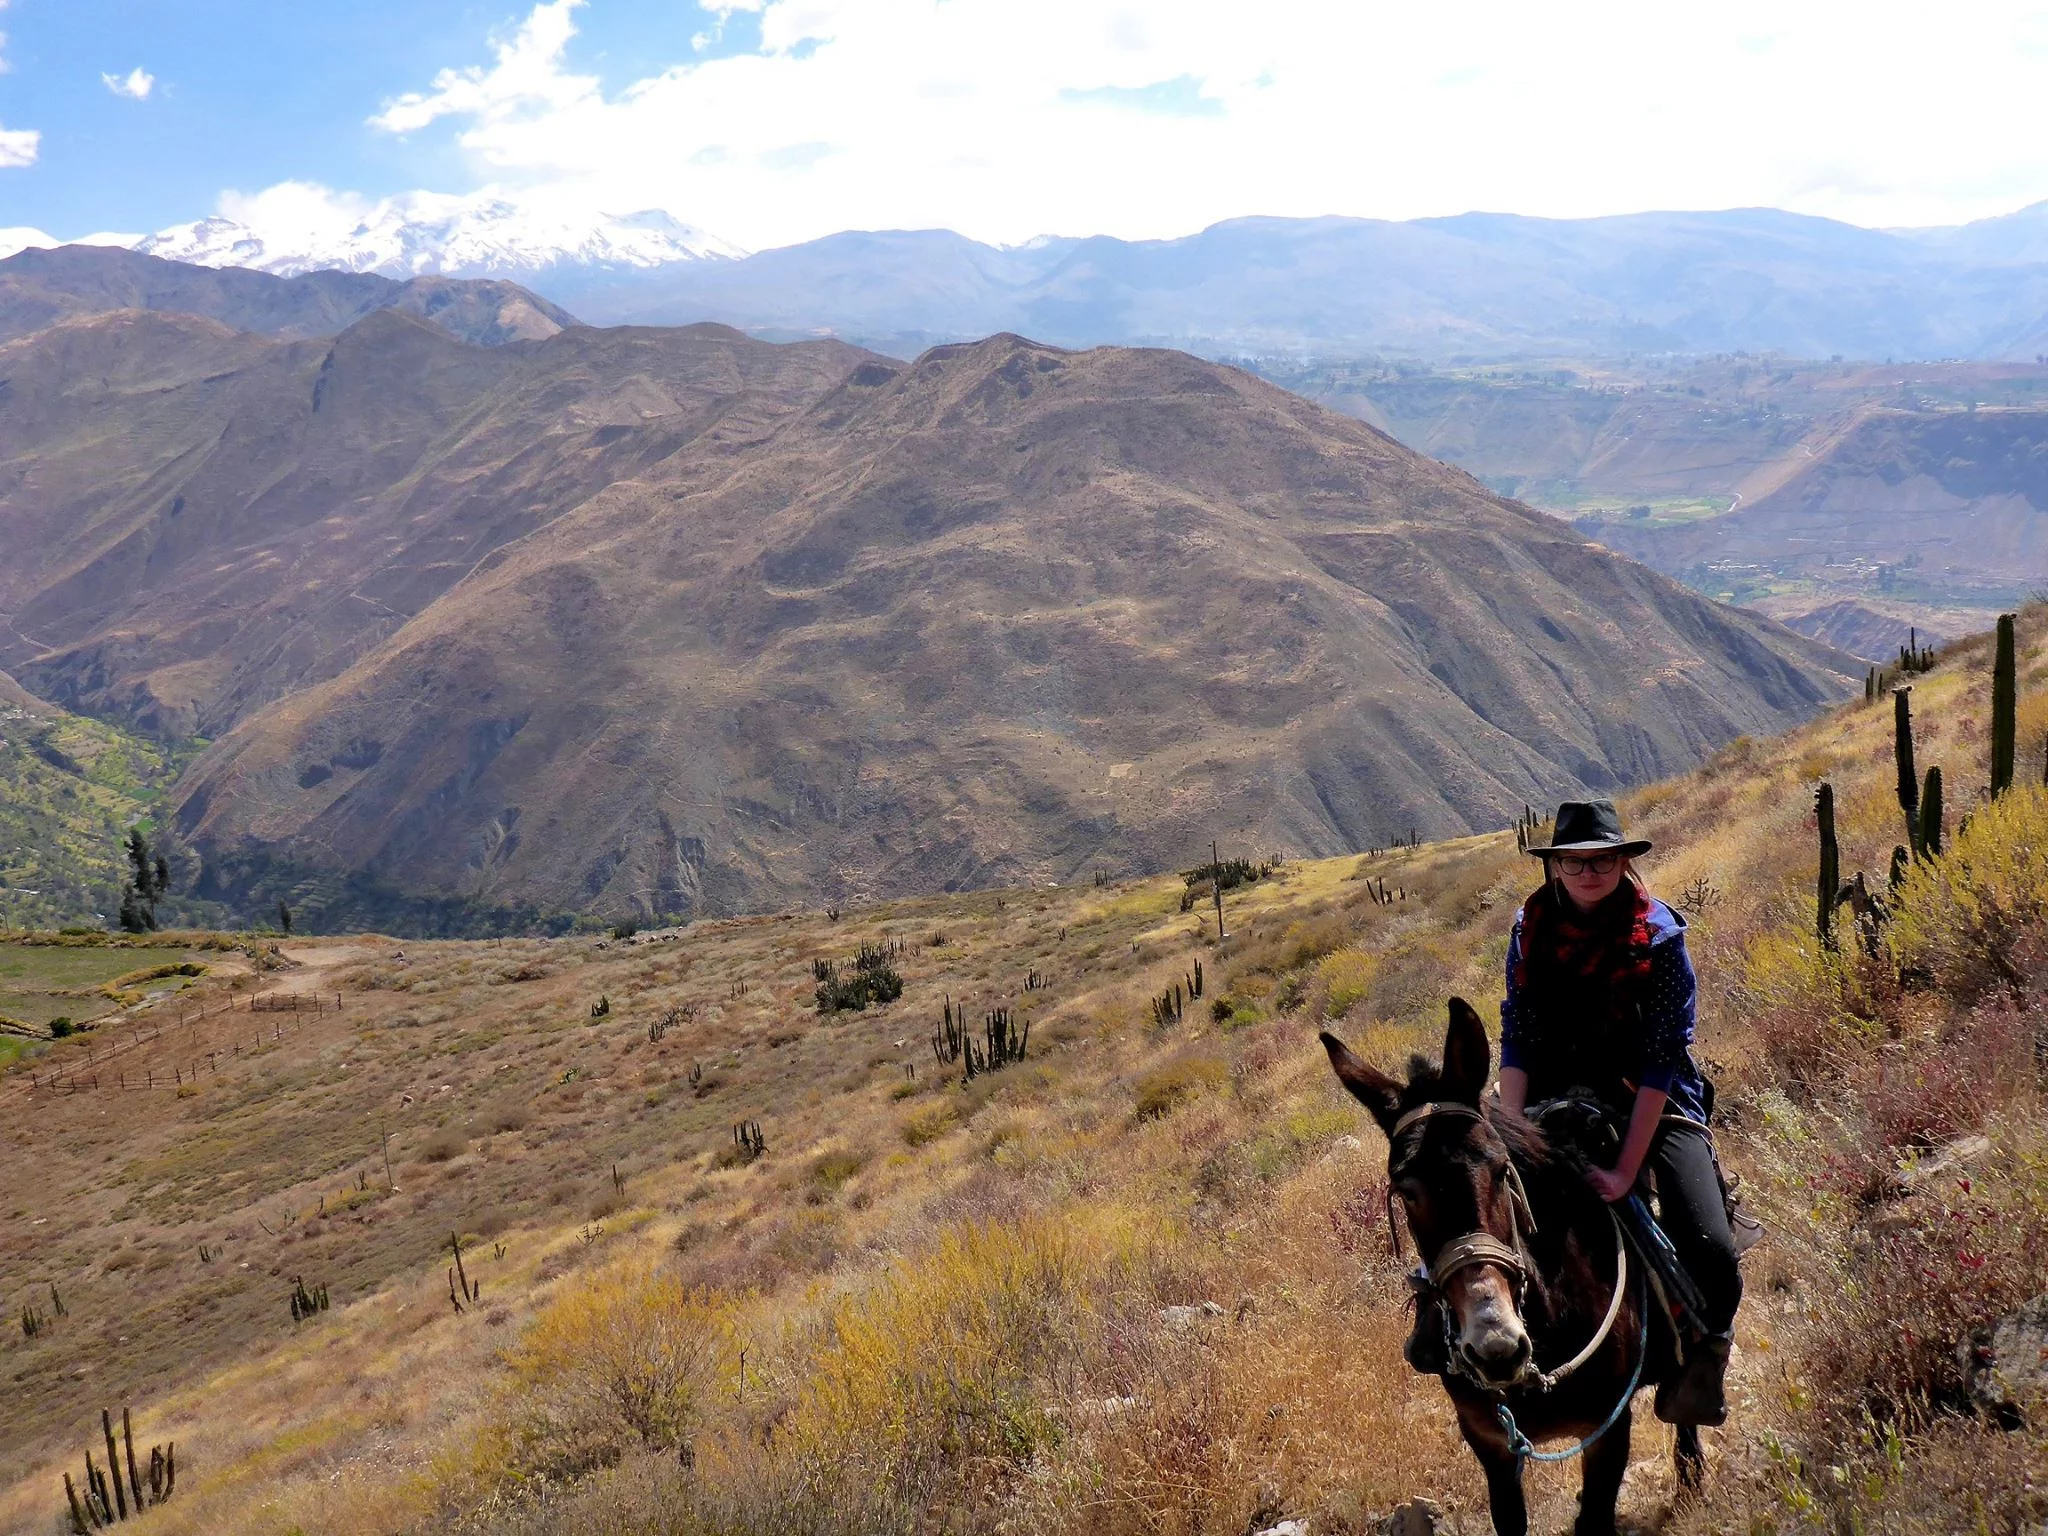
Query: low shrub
point(1163, 1090)
point(831, 1171)
point(616, 1363)
point(927, 1125)
point(1345, 977)
point(445, 1144)
point(1975, 917)
point(931, 1375)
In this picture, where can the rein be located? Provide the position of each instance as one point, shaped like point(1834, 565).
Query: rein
point(1482, 1247)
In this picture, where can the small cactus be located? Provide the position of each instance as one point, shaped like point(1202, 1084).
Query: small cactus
point(1930, 816)
point(748, 1138)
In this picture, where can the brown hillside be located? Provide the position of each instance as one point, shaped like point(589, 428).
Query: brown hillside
point(198, 521)
point(997, 615)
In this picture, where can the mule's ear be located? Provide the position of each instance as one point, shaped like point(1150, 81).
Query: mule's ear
point(1371, 1087)
point(1467, 1058)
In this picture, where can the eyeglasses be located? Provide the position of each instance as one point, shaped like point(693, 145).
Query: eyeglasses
point(1598, 864)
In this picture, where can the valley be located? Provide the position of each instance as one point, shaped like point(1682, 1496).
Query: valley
point(1852, 501)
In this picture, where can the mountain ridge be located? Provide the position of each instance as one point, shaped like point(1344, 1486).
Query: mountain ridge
point(1476, 284)
point(41, 287)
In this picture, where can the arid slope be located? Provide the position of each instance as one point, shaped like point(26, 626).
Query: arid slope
point(198, 520)
point(999, 615)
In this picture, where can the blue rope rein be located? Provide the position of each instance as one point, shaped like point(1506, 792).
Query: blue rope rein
point(1525, 1450)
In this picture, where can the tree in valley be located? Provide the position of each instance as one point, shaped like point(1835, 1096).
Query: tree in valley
point(149, 877)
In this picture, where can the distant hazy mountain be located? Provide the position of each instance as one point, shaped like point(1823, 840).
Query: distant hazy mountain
point(39, 287)
point(450, 237)
point(1481, 285)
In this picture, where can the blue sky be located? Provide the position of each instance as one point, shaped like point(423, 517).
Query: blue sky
point(248, 93)
point(770, 121)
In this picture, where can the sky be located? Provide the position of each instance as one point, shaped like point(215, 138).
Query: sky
point(767, 122)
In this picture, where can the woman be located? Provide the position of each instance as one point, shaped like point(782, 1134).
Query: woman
point(1600, 997)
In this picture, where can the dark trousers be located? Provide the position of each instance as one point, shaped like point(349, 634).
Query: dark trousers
point(1691, 1211)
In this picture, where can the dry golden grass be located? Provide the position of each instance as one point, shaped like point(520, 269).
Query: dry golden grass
point(935, 1305)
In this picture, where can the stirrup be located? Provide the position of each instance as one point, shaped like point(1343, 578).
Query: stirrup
point(1744, 1228)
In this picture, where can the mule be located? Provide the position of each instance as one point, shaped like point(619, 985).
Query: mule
point(1547, 1334)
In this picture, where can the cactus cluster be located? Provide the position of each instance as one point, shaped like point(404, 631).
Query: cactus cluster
point(106, 1499)
point(1921, 799)
point(682, 1013)
point(873, 979)
point(747, 1137)
point(305, 1303)
point(1915, 657)
point(951, 1036)
point(1002, 1044)
point(1529, 829)
point(1166, 1008)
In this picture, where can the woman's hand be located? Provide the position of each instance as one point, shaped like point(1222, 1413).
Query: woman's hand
point(1609, 1184)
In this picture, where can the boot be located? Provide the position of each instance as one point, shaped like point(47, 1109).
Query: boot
point(1426, 1351)
point(1695, 1395)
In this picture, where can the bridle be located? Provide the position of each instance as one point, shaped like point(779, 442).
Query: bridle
point(1481, 1247)
point(1478, 1246)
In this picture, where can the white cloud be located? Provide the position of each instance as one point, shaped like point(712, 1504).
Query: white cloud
point(526, 75)
point(1155, 117)
point(18, 146)
point(135, 85)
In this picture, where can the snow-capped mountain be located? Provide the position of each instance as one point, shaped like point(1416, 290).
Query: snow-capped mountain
point(424, 234)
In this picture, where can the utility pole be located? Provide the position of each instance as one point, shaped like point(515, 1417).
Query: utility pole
point(1216, 885)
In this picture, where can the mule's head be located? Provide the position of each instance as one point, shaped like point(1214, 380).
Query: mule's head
point(1453, 1175)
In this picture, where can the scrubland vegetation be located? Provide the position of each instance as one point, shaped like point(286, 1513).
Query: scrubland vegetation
point(1139, 1281)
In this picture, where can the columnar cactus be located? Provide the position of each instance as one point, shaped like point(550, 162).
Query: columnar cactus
point(1930, 816)
point(1902, 750)
point(1830, 881)
point(2004, 714)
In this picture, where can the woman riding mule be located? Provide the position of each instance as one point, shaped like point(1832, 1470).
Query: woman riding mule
point(1528, 1306)
point(1600, 996)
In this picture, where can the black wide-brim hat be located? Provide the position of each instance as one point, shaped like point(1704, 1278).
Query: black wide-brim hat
point(1591, 826)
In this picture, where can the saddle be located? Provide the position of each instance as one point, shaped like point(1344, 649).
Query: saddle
point(1587, 1123)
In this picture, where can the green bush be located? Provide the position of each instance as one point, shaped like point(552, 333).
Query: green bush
point(873, 980)
point(60, 1027)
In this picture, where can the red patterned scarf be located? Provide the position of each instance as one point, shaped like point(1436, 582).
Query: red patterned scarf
point(1603, 953)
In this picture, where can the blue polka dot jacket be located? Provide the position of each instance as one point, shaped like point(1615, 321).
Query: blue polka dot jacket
point(1656, 1054)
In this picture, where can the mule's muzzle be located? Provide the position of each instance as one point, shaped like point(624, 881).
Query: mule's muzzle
point(1498, 1359)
